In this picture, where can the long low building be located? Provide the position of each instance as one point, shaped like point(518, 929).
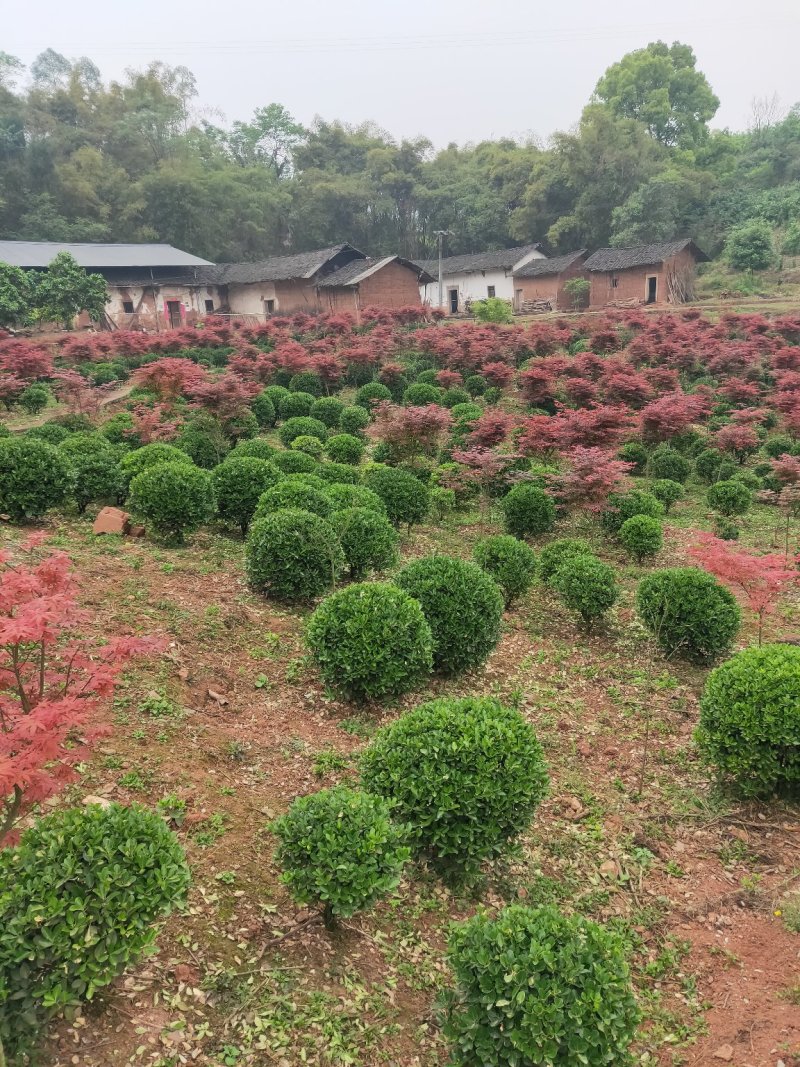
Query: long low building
point(476, 276)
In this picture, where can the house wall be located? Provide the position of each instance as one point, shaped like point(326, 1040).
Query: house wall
point(549, 287)
point(632, 283)
point(150, 304)
point(393, 286)
point(473, 285)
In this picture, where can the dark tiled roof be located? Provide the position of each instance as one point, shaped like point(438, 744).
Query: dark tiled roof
point(276, 269)
point(505, 259)
point(96, 254)
point(538, 268)
point(640, 256)
point(352, 273)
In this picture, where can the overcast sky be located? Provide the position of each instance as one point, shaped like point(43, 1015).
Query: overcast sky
point(451, 70)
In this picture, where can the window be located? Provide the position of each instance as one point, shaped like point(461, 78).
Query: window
point(127, 307)
point(614, 283)
point(490, 291)
point(269, 306)
point(209, 305)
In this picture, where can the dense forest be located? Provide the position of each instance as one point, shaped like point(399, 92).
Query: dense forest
point(133, 161)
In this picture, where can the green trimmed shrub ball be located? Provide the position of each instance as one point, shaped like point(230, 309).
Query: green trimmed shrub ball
point(369, 395)
point(328, 410)
point(82, 893)
point(34, 398)
point(291, 492)
point(264, 410)
point(34, 477)
point(371, 641)
point(339, 850)
point(557, 552)
point(204, 442)
point(276, 393)
point(463, 606)
point(141, 459)
point(238, 486)
point(464, 776)
point(729, 498)
point(96, 477)
point(255, 448)
point(305, 381)
point(292, 555)
point(312, 446)
point(750, 720)
point(405, 497)
point(667, 492)
point(642, 537)
point(421, 393)
point(369, 541)
point(667, 462)
point(509, 561)
point(623, 506)
point(294, 462)
point(338, 474)
point(303, 426)
point(295, 405)
point(355, 496)
point(537, 988)
point(713, 466)
point(586, 586)
point(353, 420)
point(528, 511)
point(51, 432)
point(634, 452)
point(173, 499)
point(688, 612)
point(344, 448)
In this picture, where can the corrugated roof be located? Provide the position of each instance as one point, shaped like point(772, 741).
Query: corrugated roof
point(641, 255)
point(42, 254)
point(505, 259)
point(277, 268)
point(539, 268)
point(352, 273)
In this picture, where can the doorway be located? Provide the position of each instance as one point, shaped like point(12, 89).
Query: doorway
point(174, 314)
point(652, 290)
point(452, 299)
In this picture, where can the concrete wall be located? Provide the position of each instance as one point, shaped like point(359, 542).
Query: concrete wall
point(619, 287)
point(474, 285)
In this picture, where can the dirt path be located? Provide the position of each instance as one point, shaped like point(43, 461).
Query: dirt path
point(19, 425)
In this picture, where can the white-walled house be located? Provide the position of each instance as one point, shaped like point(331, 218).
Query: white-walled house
point(475, 276)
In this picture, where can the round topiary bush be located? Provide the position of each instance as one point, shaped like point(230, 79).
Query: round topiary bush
point(353, 420)
point(292, 555)
point(141, 459)
point(203, 441)
point(713, 466)
point(81, 894)
point(587, 586)
point(779, 445)
point(96, 474)
point(344, 448)
point(463, 606)
point(510, 562)
point(303, 426)
point(557, 552)
point(642, 537)
point(34, 399)
point(368, 539)
point(306, 381)
point(623, 506)
point(312, 446)
point(34, 477)
point(528, 511)
point(535, 987)
point(729, 498)
point(355, 496)
point(369, 395)
point(370, 641)
point(667, 492)
point(338, 474)
point(296, 405)
point(476, 385)
point(634, 452)
point(328, 410)
point(264, 410)
point(173, 499)
point(667, 462)
point(750, 719)
point(339, 850)
point(293, 493)
point(688, 612)
point(453, 397)
point(276, 393)
point(405, 497)
point(463, 775)
point(255, 448)
point(421, 393)
point(294, 462)
point(238, 486)
point(51, 432)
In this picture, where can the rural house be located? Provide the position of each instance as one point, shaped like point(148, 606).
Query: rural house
point(150, 285)
point(388, 282)
point(475, 277)
point(647, 274)
point(543, 280)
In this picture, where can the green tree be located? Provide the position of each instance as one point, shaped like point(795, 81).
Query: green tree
point(16, 295)
point(749, 246)
point(65, 289)
point(661, 87)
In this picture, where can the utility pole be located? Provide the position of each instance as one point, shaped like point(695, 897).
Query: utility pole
point(441, 234)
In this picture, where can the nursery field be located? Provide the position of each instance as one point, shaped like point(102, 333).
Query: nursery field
point(572, 545)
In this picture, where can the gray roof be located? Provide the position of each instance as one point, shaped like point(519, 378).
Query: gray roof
point(505, 259)
point(42, 254)
point(275, 269)
point(641, 255)
point(538, 268)
point(352, 273)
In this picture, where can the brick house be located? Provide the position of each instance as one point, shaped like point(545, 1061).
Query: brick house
point(543, 280)
point(476, 276)
point(647, 274)
point(388, 282)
